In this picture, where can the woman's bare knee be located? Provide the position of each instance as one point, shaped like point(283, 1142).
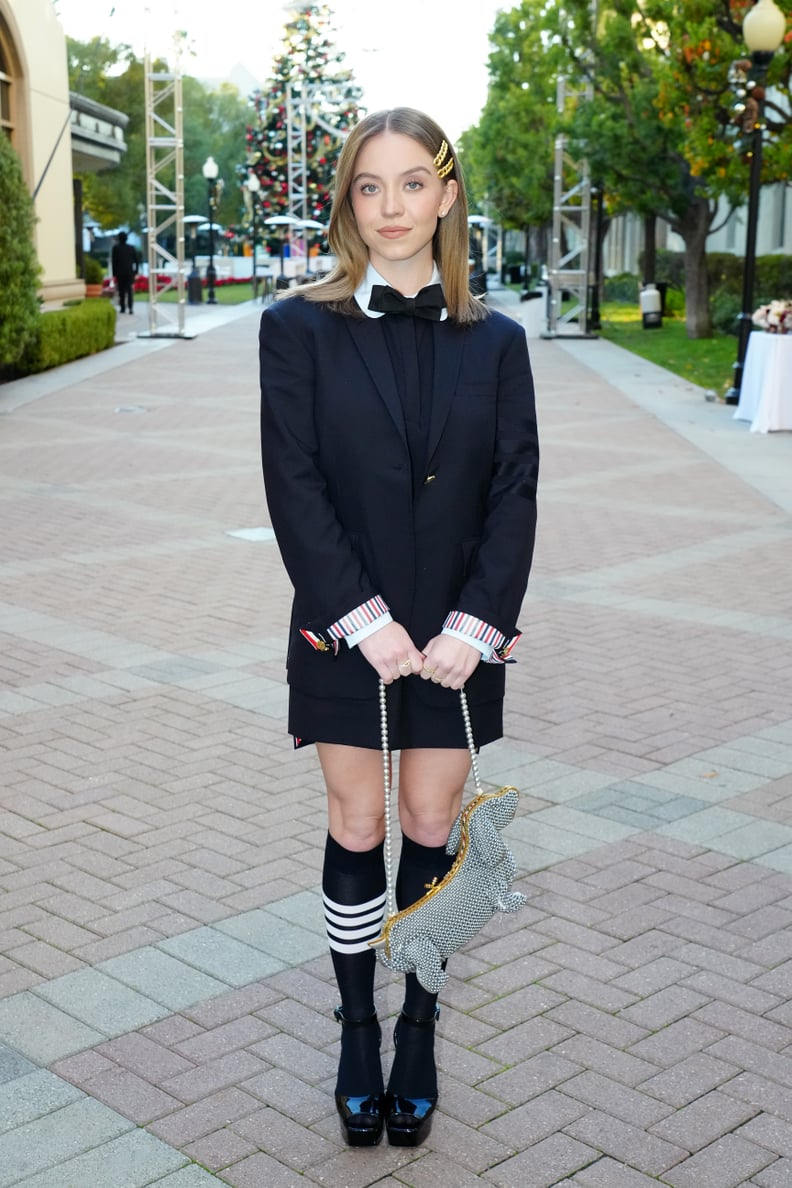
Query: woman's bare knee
point(355, 795)
point(431, 783)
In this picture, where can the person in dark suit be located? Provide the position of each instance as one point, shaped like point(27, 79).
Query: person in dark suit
point(124, 267)
point(400, 457)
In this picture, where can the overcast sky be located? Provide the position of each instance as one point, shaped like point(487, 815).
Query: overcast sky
point(430, 54)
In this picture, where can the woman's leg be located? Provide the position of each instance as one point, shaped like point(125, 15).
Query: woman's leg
point(431, 783)
point(353, 890)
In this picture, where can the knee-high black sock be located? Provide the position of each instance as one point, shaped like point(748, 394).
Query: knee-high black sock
point(418, 866)
point(353, 891)
point(413, 1072)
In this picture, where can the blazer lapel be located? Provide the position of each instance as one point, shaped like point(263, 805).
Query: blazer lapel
point(448, 344)
point(369, 340)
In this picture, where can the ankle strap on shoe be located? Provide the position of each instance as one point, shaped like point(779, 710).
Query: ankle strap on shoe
point(345, 1022)
point(420, 1022)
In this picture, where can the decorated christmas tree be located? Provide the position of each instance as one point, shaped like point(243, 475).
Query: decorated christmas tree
point(302, 118)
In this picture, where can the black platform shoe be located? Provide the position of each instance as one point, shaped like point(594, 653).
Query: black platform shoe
point(408, 1119)
point(362, 1116)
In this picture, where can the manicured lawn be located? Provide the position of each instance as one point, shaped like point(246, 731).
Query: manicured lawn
point(704, 361)
point(224, 294)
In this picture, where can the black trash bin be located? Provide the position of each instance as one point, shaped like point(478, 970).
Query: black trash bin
point(194, 288)
point(662, 288)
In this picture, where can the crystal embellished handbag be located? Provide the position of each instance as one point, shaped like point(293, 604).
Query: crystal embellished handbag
point(421, 937)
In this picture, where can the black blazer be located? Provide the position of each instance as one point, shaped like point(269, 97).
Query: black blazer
point(350, 522)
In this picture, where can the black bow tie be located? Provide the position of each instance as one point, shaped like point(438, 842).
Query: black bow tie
point(429, 303)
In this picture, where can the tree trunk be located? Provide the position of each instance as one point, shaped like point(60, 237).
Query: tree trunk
point(535, 251)
point(650, 249)
point(694, 227)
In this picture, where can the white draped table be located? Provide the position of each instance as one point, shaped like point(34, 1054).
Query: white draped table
point(766, 388)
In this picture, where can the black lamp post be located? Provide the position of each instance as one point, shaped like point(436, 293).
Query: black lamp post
point(210, 171)
point(254, 186)
point(763, 31)
point(595, 322)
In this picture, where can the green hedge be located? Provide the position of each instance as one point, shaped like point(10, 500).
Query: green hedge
point(725, 273)
point(70, 333)
point(773, 278)
point(725, 309)
point(622, 287)
point(19, 268)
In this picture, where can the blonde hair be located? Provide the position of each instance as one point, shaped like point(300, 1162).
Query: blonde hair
point(451, 240)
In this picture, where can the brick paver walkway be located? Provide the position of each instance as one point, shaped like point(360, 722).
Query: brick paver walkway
point(165, 995)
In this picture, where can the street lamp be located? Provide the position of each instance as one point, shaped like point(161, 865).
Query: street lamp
point(595, 322)
point(254, 186)
point(210, 171)
point(764, 27)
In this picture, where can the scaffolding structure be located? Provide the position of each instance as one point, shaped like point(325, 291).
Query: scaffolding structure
point(570, 256)
point(165, 194)
point(304, 102)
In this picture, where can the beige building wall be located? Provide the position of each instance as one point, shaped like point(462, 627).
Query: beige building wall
point(34, 41)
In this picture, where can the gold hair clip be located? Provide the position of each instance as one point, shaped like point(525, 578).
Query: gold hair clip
point(443, 170)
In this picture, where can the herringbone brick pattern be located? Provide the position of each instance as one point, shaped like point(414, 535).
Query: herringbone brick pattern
point(165, 996)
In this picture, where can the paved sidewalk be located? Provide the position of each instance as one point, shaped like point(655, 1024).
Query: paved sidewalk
point(165, 994)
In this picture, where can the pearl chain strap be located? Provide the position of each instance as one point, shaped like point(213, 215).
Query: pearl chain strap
point(386, 777)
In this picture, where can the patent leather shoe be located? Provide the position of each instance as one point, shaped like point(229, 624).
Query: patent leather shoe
point(362, 1116)
point(408, 1119)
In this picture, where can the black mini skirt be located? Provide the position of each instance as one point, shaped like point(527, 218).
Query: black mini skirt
point(412, 721)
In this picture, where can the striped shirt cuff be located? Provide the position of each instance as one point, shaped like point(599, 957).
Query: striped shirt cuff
point(357, 637)
point(360, 618)
point(481, 635)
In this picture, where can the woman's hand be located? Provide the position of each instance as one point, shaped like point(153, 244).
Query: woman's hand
point(449, 661)
point(391, 653)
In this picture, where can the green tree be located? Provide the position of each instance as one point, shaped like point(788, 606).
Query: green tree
point(114, 76)
point(508, 155)
point(94, 64)
point(309, 73)
point(19, 267)
point(214, 123)
point(658, 130)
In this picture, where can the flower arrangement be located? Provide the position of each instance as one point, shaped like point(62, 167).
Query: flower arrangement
point(775, 317)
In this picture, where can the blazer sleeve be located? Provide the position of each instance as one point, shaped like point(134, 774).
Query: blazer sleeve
point(495, 585)
point(325, 570)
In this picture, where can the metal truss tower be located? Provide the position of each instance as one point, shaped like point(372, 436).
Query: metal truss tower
point(568, 271)
point(296, 150)
point(165, 193)
point(304, 102)
point(569, 267)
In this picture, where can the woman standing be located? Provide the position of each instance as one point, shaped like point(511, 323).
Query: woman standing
point(400, 461)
